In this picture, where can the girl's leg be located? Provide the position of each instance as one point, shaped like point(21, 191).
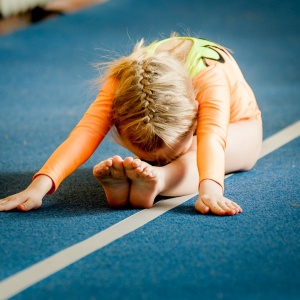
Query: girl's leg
point(180, 177)
point(243, 148)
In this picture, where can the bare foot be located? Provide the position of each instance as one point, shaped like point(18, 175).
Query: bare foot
point(144, 182)
point(111, 175)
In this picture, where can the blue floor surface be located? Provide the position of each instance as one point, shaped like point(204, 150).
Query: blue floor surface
point(46, 74)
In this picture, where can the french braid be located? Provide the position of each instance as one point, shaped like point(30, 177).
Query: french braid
point(147, 96)
point(154, 104)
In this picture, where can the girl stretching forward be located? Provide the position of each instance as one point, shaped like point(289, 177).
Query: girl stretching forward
point(183, 107)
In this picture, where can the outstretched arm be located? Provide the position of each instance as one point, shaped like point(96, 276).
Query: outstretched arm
point(213, 122)
point(73, 152)
point(83, 140)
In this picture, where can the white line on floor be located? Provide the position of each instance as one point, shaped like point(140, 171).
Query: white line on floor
point(43, 269)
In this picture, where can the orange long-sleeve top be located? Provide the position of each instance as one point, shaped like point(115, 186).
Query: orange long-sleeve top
point(224, 97)
point(84, 138)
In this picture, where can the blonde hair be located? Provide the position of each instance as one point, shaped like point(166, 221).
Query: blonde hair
point(154, 101)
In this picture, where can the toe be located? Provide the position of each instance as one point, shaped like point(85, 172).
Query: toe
point(117, 163)
point(128, 163)
point(102, 167)
point(148, 171)
point(136, 163)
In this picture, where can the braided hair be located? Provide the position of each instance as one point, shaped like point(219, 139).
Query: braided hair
point(154, 101)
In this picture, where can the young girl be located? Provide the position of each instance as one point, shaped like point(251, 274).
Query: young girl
point(183, 108)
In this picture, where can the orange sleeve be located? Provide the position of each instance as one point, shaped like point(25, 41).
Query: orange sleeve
point(84, 138)
point(213, 122)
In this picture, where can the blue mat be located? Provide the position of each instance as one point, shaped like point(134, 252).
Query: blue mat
point(46, 74)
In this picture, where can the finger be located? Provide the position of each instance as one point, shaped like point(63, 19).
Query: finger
point(232, 206)
point(202, 207)
point(218, 210)
point(10, 203)
point(3, 204)
point(2, 201)
point(29, 204)
point(226, 206)
point(214, 206)
point(237, 207)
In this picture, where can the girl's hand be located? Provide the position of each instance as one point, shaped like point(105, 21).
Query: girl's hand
point(218, 205)
point(211, 199)
point(30, 198)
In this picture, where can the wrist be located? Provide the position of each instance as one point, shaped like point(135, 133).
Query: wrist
point(42, 184)
point(211, 187)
